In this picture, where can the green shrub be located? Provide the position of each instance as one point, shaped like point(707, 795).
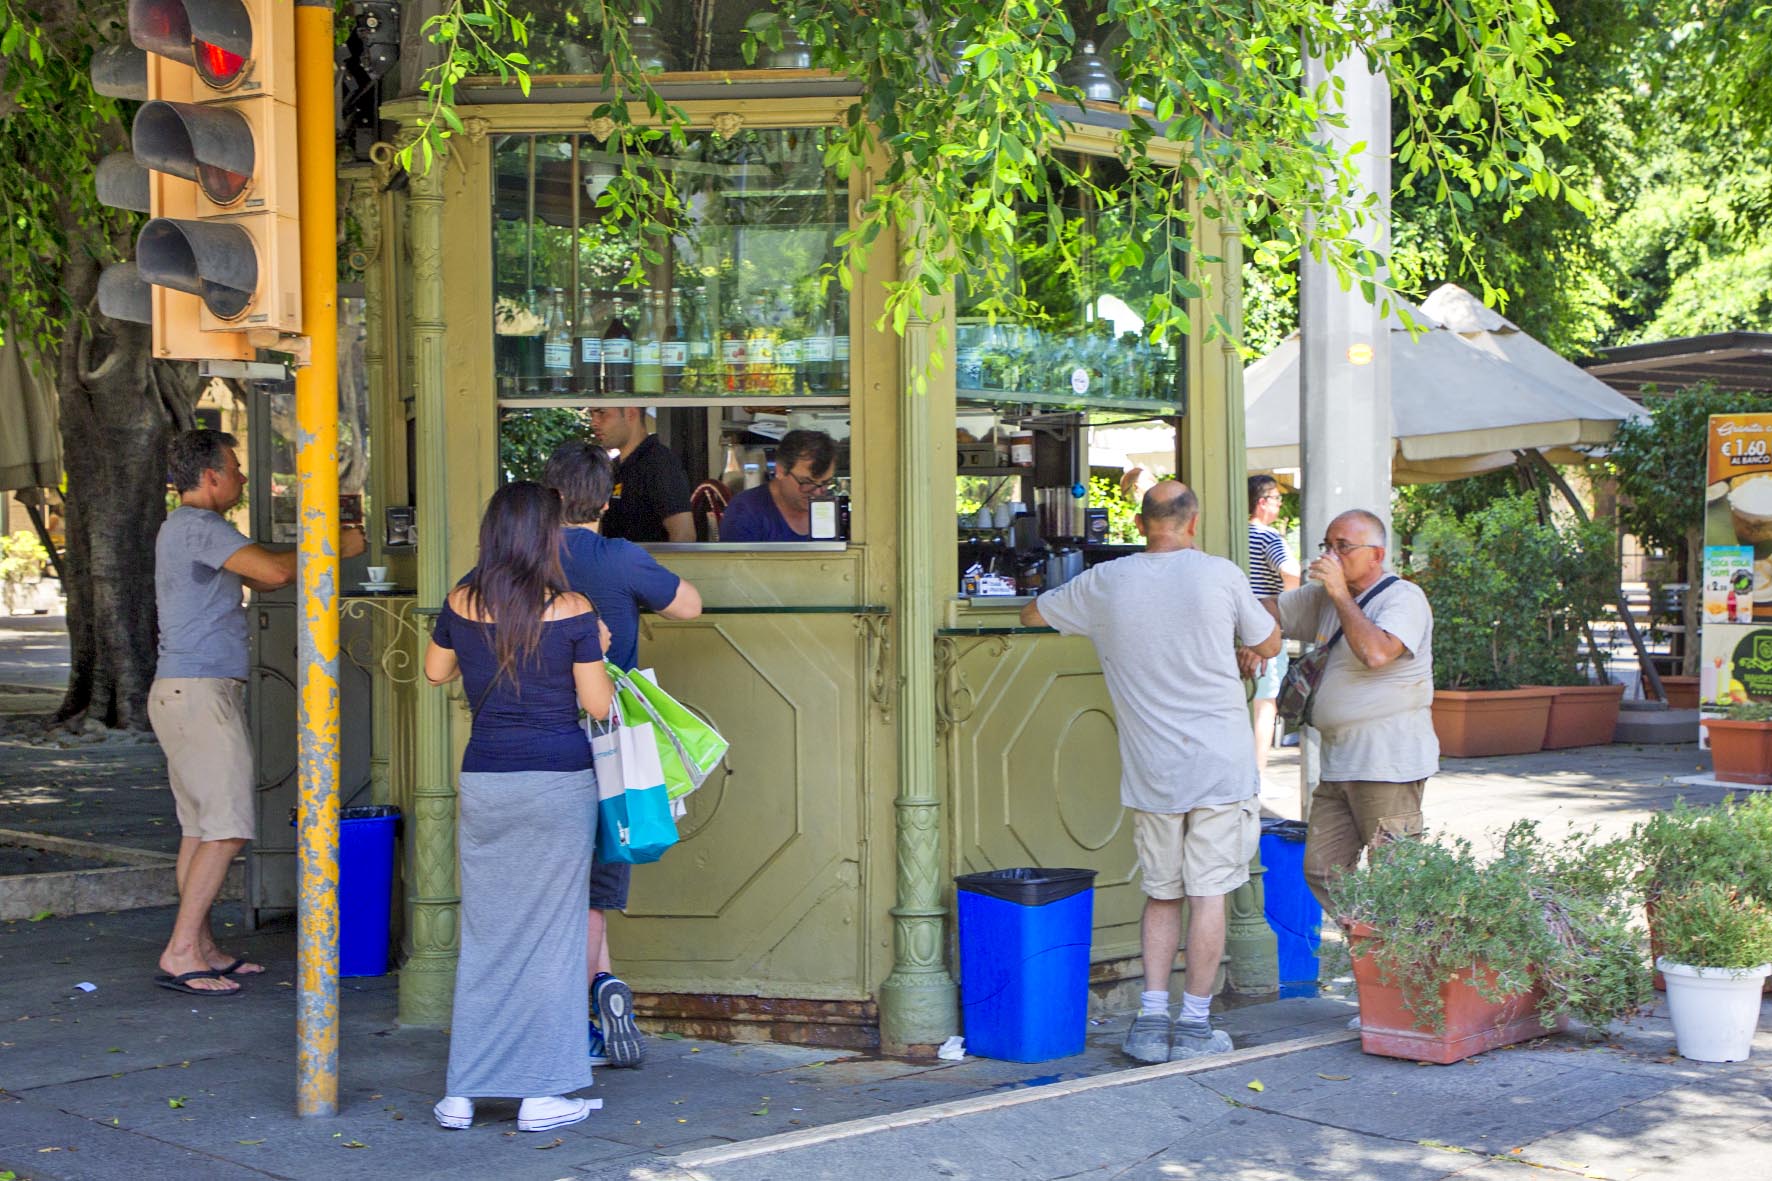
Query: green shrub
point(1713, 926)
point(1555, 915)
point(1729, 844)
point(1510, 593)
point(22, 557)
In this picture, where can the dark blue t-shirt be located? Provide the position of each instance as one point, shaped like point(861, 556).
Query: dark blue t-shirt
point(619, 578)
point(752, 516)
point(533, 724)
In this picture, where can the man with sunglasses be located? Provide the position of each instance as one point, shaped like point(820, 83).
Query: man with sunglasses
point(1373, 708)
point(781, 510)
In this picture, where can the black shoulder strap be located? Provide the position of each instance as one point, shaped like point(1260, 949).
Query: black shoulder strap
point(1364, 599)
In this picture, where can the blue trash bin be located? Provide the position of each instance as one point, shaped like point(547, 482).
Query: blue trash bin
point(1024, 961)
point(1292, 910)
point(365, 888)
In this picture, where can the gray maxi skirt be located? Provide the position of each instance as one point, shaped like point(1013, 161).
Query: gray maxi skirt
point(521, 990)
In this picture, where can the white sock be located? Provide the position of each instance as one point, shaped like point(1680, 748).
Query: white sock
point(1153, 1002)
point(1195, 1007)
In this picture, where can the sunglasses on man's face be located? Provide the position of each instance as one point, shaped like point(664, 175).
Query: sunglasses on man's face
point(1344, 548)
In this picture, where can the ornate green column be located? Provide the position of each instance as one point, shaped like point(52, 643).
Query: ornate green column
point(1250, 943)
point(433, 901)
point(919, 1004)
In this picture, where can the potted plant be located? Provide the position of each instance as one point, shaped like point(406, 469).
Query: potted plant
point(1683, 847)
point(1487, 576)
point(1716, 953)
point(1741, 743)
point(1453, 956)
point(22, 562)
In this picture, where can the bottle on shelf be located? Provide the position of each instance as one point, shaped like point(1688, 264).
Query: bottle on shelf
point(588, 374)
point(838, 383)
point(530, 371)
point(618, 354)
point(648, 349)
point(556, 348)
point(815, 358)
point(699, 374)
point(673, 348)
point(735, 353)
point(732, 475)
point(761, 349)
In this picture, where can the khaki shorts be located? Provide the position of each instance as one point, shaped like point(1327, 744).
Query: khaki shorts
point(201, 725)
point(1203, 853)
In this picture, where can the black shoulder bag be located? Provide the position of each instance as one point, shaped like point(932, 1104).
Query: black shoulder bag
point(1303, 675)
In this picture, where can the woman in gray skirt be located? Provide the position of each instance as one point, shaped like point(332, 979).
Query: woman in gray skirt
point(529, 653)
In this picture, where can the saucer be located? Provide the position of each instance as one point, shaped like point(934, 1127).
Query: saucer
point(377, 586)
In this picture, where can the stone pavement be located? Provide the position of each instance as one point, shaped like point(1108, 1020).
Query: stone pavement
point(129, 1081)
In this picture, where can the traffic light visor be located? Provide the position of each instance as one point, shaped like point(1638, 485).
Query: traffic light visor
point(215, 260)
point(212, 36)
point(210, 145)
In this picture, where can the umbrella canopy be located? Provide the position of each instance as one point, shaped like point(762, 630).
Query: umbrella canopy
point(1466, 393)
point(30, 444)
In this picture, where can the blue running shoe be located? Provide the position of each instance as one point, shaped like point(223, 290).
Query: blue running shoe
point(599, 1052)
point(613, 1003)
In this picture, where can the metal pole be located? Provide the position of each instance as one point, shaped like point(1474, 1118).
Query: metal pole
point(316, 466)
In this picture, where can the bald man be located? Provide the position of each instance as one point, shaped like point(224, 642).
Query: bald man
point(1166, 624)
point(1373, 708)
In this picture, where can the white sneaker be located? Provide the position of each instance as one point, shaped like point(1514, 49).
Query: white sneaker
point(1353, 1022)
point(454, 1112)
point(547, 1112)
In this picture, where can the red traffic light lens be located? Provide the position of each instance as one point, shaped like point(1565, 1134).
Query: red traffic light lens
point(218, 67)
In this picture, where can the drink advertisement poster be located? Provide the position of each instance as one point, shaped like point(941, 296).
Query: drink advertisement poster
point(1738, 516)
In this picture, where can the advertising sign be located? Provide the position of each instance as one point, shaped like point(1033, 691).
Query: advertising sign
point(1738, 506)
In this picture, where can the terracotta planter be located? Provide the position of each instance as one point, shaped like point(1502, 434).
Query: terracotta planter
point(1582, 715)
point(1472, 723)
point(1740, 752)
point(1682, 692)
point(1473, 1024)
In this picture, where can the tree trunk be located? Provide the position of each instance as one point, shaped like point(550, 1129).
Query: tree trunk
point(1694, 595)
point(118, 410)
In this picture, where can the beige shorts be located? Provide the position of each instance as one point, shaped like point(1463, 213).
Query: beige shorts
point(1202, 853)
point(201, 725)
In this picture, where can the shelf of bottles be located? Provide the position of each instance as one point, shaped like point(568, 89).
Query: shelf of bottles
point(736, 307)
point(1074, 370)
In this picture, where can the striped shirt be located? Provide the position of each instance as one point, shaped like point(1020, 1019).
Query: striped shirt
point(1267, 554)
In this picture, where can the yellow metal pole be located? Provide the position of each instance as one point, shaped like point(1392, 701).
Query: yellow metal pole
point(316, 466)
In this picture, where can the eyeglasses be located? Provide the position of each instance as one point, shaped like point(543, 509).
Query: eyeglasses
point(1270, 496)
point(813, 486)
point(1344, 548)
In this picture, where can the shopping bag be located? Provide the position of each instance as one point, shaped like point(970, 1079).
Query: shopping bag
point(634, 823)
point(688, 747)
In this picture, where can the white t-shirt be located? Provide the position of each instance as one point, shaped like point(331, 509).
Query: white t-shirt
point(1376, 724)
point(1165, 627)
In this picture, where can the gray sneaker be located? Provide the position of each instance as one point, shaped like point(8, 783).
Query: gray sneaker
point(1148, 1039)
point(1196, 1038)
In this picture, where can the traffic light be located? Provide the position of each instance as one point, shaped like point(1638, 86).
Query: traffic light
point(217, 265)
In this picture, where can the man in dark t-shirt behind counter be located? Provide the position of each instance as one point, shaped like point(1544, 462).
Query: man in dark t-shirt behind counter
point(619, 578)
point(781, 510)
point(649, 500)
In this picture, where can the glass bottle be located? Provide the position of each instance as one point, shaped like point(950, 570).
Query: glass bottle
point(839, 370)
point(673, 349)
point(618, 354)
point(815, 357)
point(556, 348)
point(761, 349)
point(698, 375)
point(732, 475)
point(529, 345)
point(648, 349)
point(735, 352)
point(588, 376)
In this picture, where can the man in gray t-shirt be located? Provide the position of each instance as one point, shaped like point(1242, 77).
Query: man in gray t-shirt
point(1166, 624)
point(197, 702)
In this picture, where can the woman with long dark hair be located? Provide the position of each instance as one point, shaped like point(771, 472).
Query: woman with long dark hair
point(530, 656)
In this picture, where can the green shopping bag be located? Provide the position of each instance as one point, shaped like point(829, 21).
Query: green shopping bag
point(688, 747)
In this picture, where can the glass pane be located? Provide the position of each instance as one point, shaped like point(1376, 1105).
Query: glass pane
point(723, 451)
point(1077, 339)
point(683, 36)
point(738, 302)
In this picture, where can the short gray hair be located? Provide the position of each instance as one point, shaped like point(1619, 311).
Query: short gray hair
point(194, 452)
point(1370, 518)
point(1172, 509)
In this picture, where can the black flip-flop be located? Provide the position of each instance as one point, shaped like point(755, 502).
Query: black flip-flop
point(179, 984)
point(235, 967)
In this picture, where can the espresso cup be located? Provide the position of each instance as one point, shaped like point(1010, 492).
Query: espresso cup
point(378, 573)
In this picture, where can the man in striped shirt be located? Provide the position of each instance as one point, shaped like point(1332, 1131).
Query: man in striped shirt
point(1272, 570)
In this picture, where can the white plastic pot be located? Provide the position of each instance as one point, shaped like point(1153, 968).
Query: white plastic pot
point(1715, 1010)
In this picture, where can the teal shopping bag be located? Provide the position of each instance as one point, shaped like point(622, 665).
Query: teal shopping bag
point(634, 821)
point(688, 748)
